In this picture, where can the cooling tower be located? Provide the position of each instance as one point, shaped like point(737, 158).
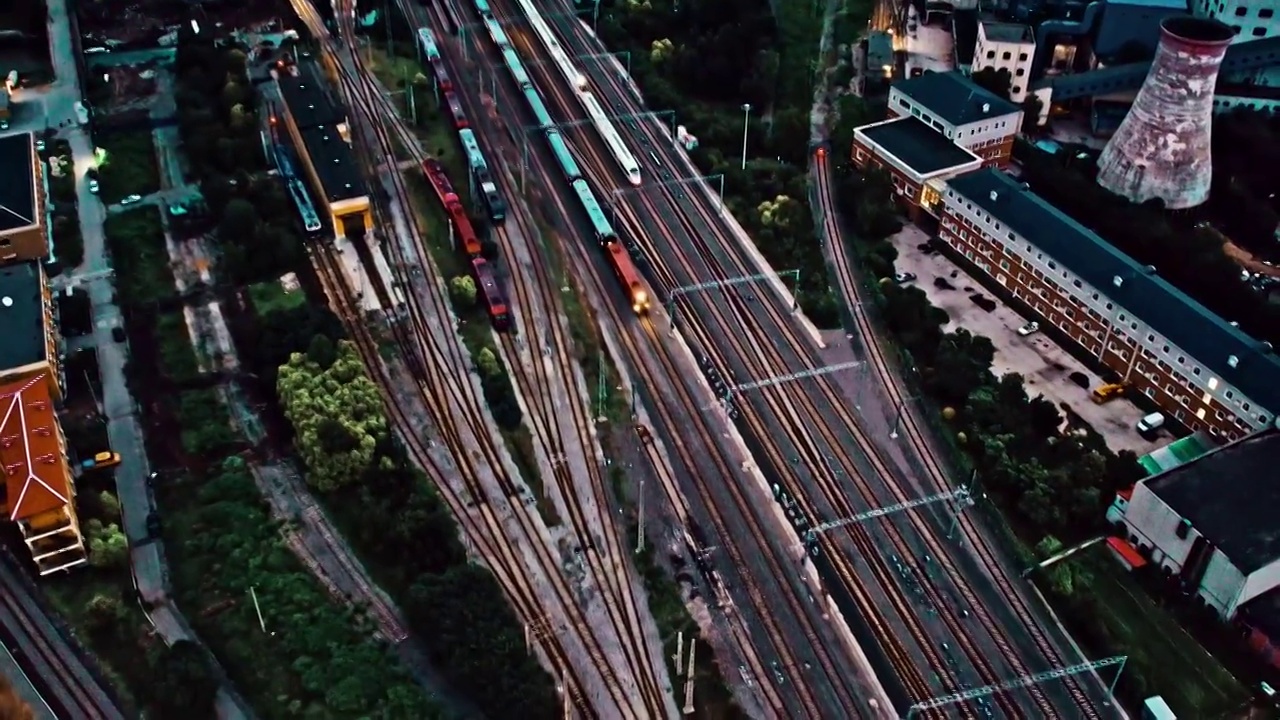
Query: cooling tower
point(1162, 147)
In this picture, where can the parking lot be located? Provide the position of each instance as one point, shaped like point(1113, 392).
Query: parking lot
point(1048, 370)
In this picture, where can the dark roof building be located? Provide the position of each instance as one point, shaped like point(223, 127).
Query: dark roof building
point(24, 212)
point(954, 98)
point(308, 101)
point(18, 207)
point(22, 316)
point(1224, 350)
point(1212, 524)
point(335, 167)
point(1003, 32)
point(918, 146)
point(1230, 497)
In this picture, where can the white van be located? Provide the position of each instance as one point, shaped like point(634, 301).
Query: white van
point(1150, 423)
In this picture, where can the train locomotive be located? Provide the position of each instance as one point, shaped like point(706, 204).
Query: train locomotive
point(618, 257)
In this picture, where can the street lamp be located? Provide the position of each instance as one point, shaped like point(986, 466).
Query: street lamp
point(746, 117)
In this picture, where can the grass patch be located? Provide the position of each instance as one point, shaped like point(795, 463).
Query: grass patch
point(67, 242)
point(269, 297)
point(99, 604)
point(206, 426)
point(1122, 619)
point(129, 166)
point(178, 360)
point(138, 254)
point(403, 76)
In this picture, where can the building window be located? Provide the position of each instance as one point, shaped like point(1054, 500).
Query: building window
point(1053, 266)
point(1230, 394)
point(1077, 283)
point(991, 54)
point(1259, 32)
point(1213, 383)
point(1095, 296)
point(1242, 11)
point(1245, 407)
point(1182, 359)
point(1195, 371)
point(1165, 349)
point(1022, 57)
point(1266, 13)
point(1006, 55)
point(1110, 306)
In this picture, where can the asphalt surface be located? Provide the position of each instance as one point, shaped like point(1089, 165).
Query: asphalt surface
point(877, 418)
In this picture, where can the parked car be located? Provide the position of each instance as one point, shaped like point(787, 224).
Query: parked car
point(1150, 423)
point(131, 199)
point(904, 277)
point(1030, 328)
point(104, 459)
point(117, 334)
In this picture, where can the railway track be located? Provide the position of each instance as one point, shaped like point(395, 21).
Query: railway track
point(846, 701)
point(542, 359)
point(67, 687)
point(934, 471)
point(433, 359)
point(785, 406)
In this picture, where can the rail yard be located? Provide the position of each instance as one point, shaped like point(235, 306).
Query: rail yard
point(826, 607)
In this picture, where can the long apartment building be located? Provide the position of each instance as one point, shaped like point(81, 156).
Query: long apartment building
point(24, 208)
point(38, 492)
point(1196, 367)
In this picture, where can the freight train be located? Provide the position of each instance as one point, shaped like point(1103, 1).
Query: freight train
point(486, 189)
point(467, 240)
point(618, 257)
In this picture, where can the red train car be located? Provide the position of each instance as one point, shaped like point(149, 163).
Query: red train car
point(491, 293)
point(467, 240)
point(443, 80)
point(455, 109)
point(630, 278)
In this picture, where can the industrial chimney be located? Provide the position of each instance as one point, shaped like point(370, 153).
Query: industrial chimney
point(1162, 148)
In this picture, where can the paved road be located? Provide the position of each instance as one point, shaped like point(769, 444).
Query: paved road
point(123, 427)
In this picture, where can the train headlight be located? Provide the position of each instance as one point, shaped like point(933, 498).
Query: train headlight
point(640, 299)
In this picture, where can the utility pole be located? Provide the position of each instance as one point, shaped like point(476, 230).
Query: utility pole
point(602, 390)
point(640, 517)
point(688, 681)
point(258, 609)
point(746, 118)
point(679, 649)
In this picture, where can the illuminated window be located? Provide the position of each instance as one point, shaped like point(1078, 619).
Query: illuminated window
point(1213, 383)
point(1200, 413)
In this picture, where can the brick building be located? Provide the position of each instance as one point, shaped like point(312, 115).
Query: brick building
point(24, 212)
point(965, 113)
point(38, 493)
point(1197, 368)
point(916, 156)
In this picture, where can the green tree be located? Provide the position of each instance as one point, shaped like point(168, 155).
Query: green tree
point(313, 397)
point(183, 684)
point(108, 546)
point(110, 505)
point(463, 290)
point(103, 612)
point(239, 220)
point(488, 363)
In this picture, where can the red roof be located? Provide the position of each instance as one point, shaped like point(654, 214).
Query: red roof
point(1126, 552)
point(1126, 494)
point(35, 472)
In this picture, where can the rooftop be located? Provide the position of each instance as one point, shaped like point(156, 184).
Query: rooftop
point(36, 477)
point(1212, 341)
point(308, 103)
point(917, 145)
point(1230, 496)
point(1263, 613)
point(1008, 32)
point(18, 193)
point(954, 97)
point(21, 315)
point(337, 169)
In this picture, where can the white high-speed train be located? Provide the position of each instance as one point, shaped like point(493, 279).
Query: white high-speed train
point(599, 117)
